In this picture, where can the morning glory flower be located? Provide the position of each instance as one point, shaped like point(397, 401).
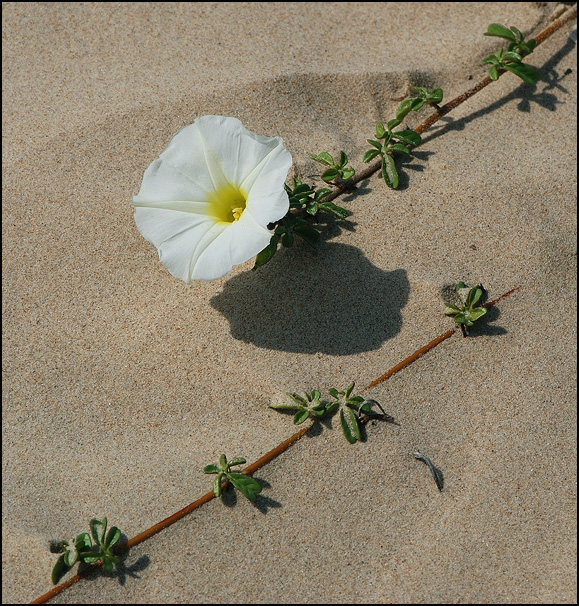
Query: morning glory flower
point(206, 202)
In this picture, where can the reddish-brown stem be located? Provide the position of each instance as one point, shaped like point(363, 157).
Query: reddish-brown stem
point(495, 301)
point(454, 103)
point(411, 358)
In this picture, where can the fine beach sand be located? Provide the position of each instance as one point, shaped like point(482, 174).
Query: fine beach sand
point(120, 383)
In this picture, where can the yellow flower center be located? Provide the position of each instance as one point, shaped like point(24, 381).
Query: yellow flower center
point(227, 203)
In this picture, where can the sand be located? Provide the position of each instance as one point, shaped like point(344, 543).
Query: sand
point(120, 383)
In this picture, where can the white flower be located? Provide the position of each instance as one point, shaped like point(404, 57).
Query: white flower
point(205, 203)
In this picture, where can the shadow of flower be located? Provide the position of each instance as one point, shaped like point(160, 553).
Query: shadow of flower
point(332, 301)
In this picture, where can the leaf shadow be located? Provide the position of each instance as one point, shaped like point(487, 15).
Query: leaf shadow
point(526, 95)
point(409, 164)
point(262, 503)
point(121, 571)
point(332, 301)
point(485, 327)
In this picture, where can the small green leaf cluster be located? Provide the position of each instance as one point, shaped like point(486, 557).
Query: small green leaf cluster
point(305, 204)
point(349, 407)
point(433, 97)
point(304, 405)
point(81, 549)
point(512, 58)
point(467, 313)
point(244, 483)
point(311, 200)
point(337, 171)
point(389, 142)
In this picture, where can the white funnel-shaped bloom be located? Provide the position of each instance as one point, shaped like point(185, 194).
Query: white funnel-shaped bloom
point(206, 202)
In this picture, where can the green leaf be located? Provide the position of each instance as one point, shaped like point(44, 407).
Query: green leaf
point(461, 318)
point(477, 313)
point(392, 124)
point(348, 173)
point(98, 529)
point(493, 72)
point(408, 136)
point(312, 209)
point(113, 536)
point(89, 557)
point(399, 147)
point(330, 174)
point(343, 159)
point(389, 172)
point(475, 293)
point(217, 486)
point(451, 310)
point(70, 555)
point(380, 130)
point(375, 143)
point(525, 72)
point(491, 60)
point(529, 46)
point(512, 56)
point(60, 568)
point(319, 410)
point(287, 240)
point(308, 233)
point(408, 105)
point(298, 399)
point(237, 461)
point(321, 193)
point(302, 188)
point(370, 155)
point(519, 36)
point(247, 485)
point(83, 542)
point(267, 253)
point(355, 401)
point(436, 96)
point(346, 428)
point(211, 469)
point(349, 389)
point(323, 158)
point(301, 416)
point(334, 392)
point(500, 31)
point(331, 407)
point(288, 407)
point(334, 209)
point(354, 424)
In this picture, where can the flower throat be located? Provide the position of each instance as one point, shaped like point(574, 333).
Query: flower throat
point(227, 203)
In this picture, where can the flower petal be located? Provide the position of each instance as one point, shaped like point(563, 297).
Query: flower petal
point(180, 172)
point(237, 150)
point(241, 241)
point(267, 199)
point(176, 235)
